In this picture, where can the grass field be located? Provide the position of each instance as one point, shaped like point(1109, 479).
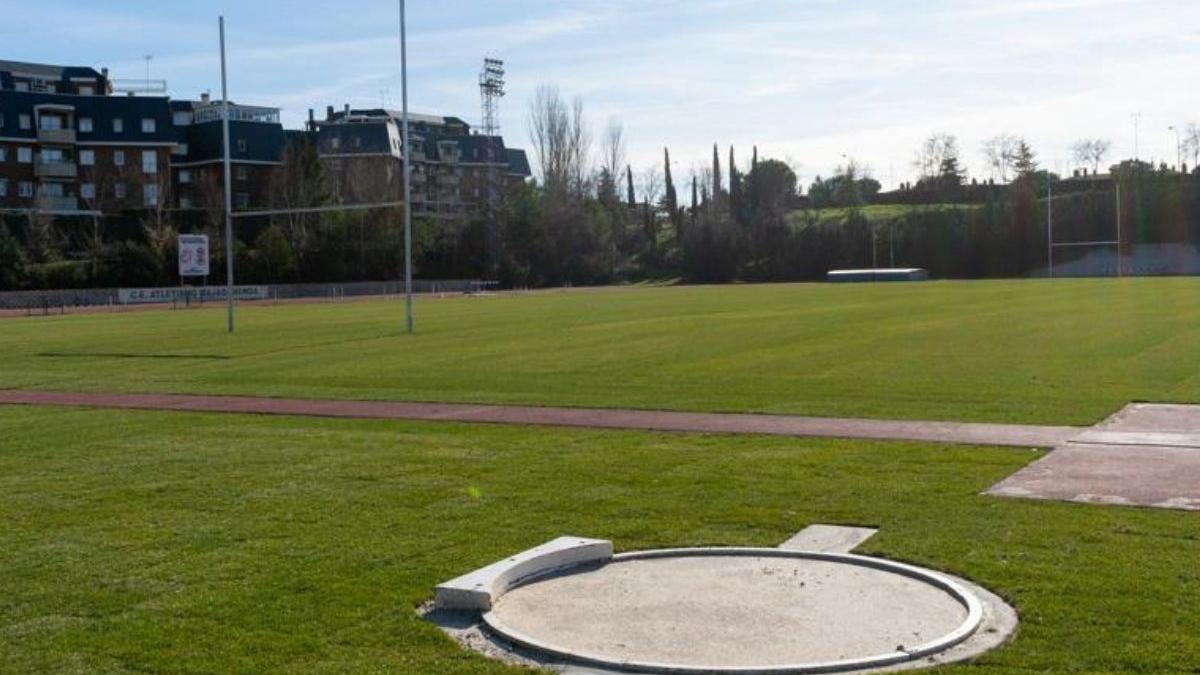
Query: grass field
point(141, 542)
point(1062, 352)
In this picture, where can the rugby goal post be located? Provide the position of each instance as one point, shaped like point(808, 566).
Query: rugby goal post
point(1052, 245)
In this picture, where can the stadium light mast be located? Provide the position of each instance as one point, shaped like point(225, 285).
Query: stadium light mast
point(408, 300)
point(1178, 148)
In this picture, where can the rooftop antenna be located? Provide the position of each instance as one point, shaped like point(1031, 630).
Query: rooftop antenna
point(491, 90)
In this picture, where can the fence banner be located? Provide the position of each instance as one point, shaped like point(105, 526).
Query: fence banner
point(151, 296)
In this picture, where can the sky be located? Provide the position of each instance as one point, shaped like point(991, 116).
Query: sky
point(810, 82)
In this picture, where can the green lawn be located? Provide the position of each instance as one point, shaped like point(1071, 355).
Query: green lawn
point(193, 543)
point(1062, 352)
point(874, 212)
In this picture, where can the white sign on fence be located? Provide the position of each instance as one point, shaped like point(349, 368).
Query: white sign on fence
point(193, 255)
point(195, 294)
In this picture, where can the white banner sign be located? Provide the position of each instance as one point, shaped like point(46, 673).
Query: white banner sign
point(193, 255)
point(151, 296)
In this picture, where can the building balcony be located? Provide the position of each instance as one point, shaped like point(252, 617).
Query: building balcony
point(47, 203)
point(57, 136)
point(55, 170)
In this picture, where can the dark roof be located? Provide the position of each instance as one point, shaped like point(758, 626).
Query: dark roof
point(475, 148)
point(518, 162)
point(48, 71)
point(101, 109)
point(356, 138)
point(264, 142)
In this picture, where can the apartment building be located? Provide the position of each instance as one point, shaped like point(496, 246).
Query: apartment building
point(362, 150)
point(70, 145)
point(256, 144)
point(67, 145)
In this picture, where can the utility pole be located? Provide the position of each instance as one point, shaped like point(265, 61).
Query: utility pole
point(228, 184)
point(1049, 229)
point(1178, 148)
point(1137, 122)
point(408, 300)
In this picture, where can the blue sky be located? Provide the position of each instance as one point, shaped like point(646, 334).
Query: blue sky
point(807, 81)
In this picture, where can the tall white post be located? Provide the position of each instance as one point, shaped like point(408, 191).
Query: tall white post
point(1118, 183)
point(1049, 228)
point(408, 300)
point(228, 184)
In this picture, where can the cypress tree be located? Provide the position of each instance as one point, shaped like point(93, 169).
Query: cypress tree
point(695, 200)
point(629, 185)
point(716, 173)
point(754, 162)
point(735, 184)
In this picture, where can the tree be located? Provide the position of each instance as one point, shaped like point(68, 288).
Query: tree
point(670, 200)
point(612, 148)
point(851, 185)
point(561, 141)
point(716, 173)
point(299, 182)
point(936, 154)
point(1191, 143)
point(1091, 151)
point(630, 195)
point(999, 151)
point(1024, 160)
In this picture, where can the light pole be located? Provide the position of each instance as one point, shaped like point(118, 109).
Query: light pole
point(1137, 122)
point(408, 300)
point(1178, 148)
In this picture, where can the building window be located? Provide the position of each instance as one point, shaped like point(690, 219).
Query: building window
point(150, 194)
point(87, 157)
point(52, 189)
point(85, 125)
point(25, 122)
point(3, 187)
point(118, 125)
point(119, 190)
point(148, 125)
point(25, 189)
point(87, 190)
point(181, 149)
point(3, 154)
point(185, 176)
point(335, 143)
point(25, 155)
point(181, 118)
point(150, 162)
point(50, 122)
point(52, 156)
point(243, 200)
point(241, 173)
point(241, 146)
point(86, 90)
point(118, 158)
point(21, 86)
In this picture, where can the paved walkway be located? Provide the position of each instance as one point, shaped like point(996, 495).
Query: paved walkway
point(781, 425)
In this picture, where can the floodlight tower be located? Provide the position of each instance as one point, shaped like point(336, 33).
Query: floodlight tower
point(491, 90)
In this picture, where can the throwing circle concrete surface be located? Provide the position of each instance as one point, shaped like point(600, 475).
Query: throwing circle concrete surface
point(735, 610)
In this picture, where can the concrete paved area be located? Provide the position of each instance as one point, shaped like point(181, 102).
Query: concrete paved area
point(1145, 455)
point(828, 538)
point(783, 425)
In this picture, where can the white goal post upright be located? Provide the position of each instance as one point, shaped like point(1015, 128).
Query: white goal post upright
point(230, 215)
point(1051, 244)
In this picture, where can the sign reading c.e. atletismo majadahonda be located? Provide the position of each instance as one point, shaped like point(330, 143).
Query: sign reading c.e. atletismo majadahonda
point(193, 255)
point(150, 296)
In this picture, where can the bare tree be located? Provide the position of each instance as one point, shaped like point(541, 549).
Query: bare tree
point(1191, 143)
point(612, 148)
point(935, 153)
point(561, 141)
point(1000, 152)
point(1091, 151)
point(650, 184)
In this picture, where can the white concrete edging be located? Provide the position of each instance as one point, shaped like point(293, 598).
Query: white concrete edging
point(476, 591)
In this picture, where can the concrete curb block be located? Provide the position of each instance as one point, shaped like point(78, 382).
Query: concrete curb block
point(476, 591)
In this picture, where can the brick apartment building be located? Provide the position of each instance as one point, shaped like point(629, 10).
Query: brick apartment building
point(450, 165)
point(70, 146)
